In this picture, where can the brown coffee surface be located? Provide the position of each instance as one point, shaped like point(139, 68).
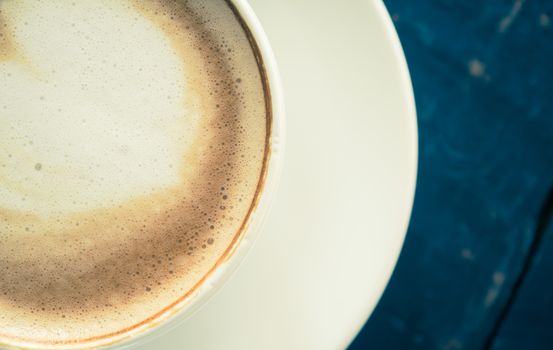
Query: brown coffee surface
point(133, 141)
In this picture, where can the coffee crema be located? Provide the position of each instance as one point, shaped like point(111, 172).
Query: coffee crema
point(133, 146)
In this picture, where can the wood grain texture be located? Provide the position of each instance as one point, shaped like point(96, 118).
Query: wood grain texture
point(527, 322)
point(483, 80)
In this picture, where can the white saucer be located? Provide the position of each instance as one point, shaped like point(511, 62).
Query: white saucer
point(338, 223)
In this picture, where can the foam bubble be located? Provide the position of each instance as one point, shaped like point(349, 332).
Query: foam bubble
point(133, 140)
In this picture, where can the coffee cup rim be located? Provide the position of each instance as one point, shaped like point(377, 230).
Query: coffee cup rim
point(229, 262)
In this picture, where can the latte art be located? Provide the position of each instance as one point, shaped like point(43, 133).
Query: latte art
point(133, 145)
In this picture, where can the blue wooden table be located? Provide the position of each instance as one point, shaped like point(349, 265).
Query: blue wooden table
point(476, 271)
